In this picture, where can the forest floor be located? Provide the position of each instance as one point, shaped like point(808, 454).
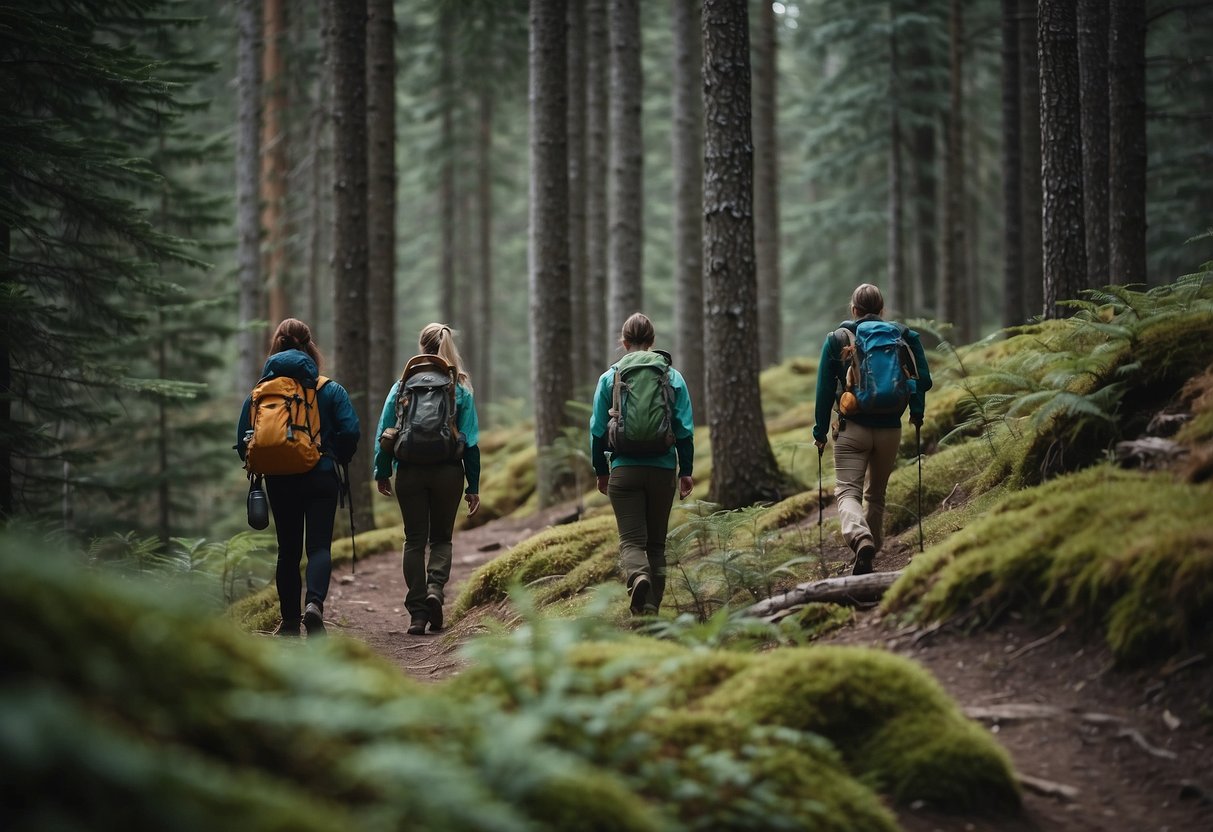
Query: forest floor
point(1108, 748)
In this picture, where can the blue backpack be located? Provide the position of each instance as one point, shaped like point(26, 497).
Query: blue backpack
point(880, 368)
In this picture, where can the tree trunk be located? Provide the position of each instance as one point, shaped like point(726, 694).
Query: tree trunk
point(1127, 141)
point(164, 496)
point(598, 335)
point(897, 297)
point(551, 334)
point(6, 386)
point(766, 187)
point(1012, 182)
point(248, 227)
point(925, 162)
point(381, 189)
point(953, 300)
point(484, 187)
point(849, 589)
point(446, 149)
point(275, 163)
point(1065, 262)
point(350, 255)
point(1029, 142)
point(688, 199)
point(1093, 74)
point(744, 469)
point(578, 257)
point(319, 135)
point(626, 206)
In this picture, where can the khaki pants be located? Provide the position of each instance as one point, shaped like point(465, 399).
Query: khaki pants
point(860, 452)
point(429, 500)
point(642, 497)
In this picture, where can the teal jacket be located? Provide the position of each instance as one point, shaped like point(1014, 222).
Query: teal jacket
point(339, 429)
point(681, 456)
point(831, 374)
point(465, 420)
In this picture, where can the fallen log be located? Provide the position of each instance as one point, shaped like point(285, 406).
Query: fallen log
point(849, 589)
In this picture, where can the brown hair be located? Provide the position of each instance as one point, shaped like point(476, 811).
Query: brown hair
point(867, 300)
point(439, 339)
point(637, 331)
point(294, 334)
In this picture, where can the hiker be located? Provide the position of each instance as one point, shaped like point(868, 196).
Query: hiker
point(642, 421)
point(303, 502)
point(867, 433)
point(429, 432)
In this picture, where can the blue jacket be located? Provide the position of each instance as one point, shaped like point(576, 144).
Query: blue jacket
point(339, 431)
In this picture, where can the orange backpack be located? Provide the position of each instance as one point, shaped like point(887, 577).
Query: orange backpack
point(285, 427)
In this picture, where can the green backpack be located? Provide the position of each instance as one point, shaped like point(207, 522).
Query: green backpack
point(642, 405)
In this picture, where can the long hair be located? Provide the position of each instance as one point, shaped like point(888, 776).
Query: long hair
point(294, 334)
point(439, 339)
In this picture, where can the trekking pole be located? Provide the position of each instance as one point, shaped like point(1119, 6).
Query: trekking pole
point(821, 544)
point(918, 448)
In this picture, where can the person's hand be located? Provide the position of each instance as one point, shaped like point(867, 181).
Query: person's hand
point(603, 481)
point(473, 501)
point(384, 487)
point(685, 484)
point(916, 419)
point(821, 445)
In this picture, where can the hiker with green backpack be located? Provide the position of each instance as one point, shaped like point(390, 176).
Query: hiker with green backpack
point(297, 430)
point(429, 433)
point(871, 371)
point(642, 447)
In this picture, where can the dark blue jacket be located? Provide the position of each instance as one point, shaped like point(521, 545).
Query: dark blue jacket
point(339, 429)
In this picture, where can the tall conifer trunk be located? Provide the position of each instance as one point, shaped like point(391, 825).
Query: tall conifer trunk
point(578, 256)
point(381, 191)
point(953, 299)
point(248, 226)
point(1127, 141)
point(1093, 74)
point(626, 206)
point(275, 163)
point(598, 334)
point(6, 389)
point(446, 186)
point(897, 295)
point(1029, 113)
point(924, 162)
point(766, 186)
point(1012, 181)
point(484, 189)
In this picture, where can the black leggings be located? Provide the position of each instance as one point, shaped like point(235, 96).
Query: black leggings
point(303, 502)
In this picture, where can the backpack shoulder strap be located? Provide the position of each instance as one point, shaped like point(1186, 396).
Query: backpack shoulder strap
point(321, 381)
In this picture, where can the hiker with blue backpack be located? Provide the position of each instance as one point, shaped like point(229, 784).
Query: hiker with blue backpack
point(871, 371)
point(642, 446)
point(297, 429)
point(428, 432)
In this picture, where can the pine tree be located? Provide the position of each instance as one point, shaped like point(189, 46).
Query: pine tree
point(1127, 141)
point(381, 191)
point(626, 203)
point(766, 184)
point(1093, 75)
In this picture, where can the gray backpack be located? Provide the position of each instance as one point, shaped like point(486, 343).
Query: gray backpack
point(426, 431)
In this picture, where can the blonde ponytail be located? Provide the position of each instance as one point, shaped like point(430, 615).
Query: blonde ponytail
point(439, 339)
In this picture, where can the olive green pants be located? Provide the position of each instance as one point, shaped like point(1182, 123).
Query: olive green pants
point(861, 452)
point(429, 501)
point(642, 497)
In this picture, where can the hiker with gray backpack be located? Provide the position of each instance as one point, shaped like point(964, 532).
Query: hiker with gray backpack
point(428, 432)
point(642, 446)
point(871, 372)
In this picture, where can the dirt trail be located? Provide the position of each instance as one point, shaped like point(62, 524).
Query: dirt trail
point(1135, 747)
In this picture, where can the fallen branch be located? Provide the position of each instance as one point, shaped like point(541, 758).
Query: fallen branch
point(1141, 742)
point(1040, 642)
point(850, 589)
point(1047, 787)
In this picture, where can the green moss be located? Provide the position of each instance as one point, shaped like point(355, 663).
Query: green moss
point(505, 484)
point(787, 386)
point(947, 473)
point(819, 619)
point(1129, 553)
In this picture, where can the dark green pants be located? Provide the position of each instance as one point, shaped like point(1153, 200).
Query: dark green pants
point(429, 501)
point(642, 497)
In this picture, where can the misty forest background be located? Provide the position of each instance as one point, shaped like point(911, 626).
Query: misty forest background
point(175, 177)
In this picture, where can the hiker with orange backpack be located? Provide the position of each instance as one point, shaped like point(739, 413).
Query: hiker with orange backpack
point(871, 371)
point(642, 418)
point(428, 432)
point(295, 429)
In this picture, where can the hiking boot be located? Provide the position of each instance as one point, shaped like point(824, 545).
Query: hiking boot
point(313, 619)
point(417, 626)
point(863, 559)
point(639, 594)
point(434, 604)
point(286, 630)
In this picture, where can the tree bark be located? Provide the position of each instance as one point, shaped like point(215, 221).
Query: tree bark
point(849, 589)
point(1127, 141)
point(381, 189)
point(351, 232)
point(551, 335)
point(275, 163)
point(320, 190)
point(248, 226)
point(6, 387)
point(1029, 112)
point(598, 335)
point(446, 176)
point(1012, 180)
point(687, 157)
point(766, 187)
point(744, 469)
point(953, 299)
point(484, 187)
point(578, 256)
point(1065, 263)
point(897, 298)
point(1093, 75)
point(626, 200)
point(925, 162)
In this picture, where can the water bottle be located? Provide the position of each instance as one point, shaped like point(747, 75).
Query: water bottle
point(258, 507)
